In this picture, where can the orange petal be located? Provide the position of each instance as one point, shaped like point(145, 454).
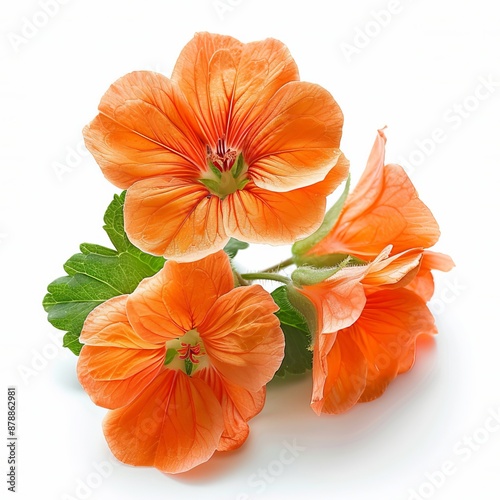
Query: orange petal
point(385, 332)
point(243, 338)
point(383, 209)
point(145, 128)
point(339, 374)
point(178, 219)
point(294, 142)
point(174, 425)
point(116, 364)
point(238, 407)
point(263, 68)
point(178, 298)
point(261, 216)
point(340, 299)
point(205, 72)
point(398, 270)
point(423, 284)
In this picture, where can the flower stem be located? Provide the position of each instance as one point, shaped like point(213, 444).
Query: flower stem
point(266, 276)
point(278, 267)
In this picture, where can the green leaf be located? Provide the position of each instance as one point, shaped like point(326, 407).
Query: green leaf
point(298, 356)
point(96, 275)
point(302, 246)
point(233, 246)
point(307, 275)
point(237, 167)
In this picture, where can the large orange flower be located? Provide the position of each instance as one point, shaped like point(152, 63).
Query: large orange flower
point(367, 325)
point(182, 363)
point(233, 144)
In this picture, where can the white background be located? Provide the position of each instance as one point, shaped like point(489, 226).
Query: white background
point(414, 75)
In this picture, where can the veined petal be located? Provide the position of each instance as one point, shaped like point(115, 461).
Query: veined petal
point(383, 209)
point(145, 128)
point(263, 68)
point(115, 365)
point(114, 376)
point(205, 73)
point(423, 284)
point(343, 376)
point(178, 219)
point(178, 298)
point(396, 271)
point(388, 326)
point(294, 142)
point(228, 83)
point(242, 337)
point(338, 300)
point(238, 406)
point(261, 216)
point(174, 425)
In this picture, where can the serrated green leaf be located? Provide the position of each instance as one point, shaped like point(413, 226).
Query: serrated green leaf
point(302, 246)
point(298, 357)
point(96, 275)
point(233, 246)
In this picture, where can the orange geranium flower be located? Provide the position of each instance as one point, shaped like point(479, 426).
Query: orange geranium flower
point(368, 321)
point(233, 144)
point(182, 363)
point(383, 209)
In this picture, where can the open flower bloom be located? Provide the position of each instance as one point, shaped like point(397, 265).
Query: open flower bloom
point(182, 363)
point(233, 144)
point(367, 324)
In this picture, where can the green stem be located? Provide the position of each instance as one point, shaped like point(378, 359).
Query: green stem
point(266, 276)
point(278, 267)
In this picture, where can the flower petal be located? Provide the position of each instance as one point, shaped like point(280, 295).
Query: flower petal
point(342, 377)
point(388, 326)
point(338, 300)
point(174, 425)
point(238, 406)
point(178, 298)
point(294, 142)
point(177, 219)
point(423, 284)
point(115, 365)
point(243, 338)
point(383, 209)
point(145, 128)
point(205, 73)
point(261, 216)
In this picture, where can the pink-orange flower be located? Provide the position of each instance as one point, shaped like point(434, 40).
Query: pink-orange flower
point(233, 144)
point(182, 363)
point(367, 325)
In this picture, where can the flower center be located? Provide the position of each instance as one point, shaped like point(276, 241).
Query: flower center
point(186, 353)
point(226, 170)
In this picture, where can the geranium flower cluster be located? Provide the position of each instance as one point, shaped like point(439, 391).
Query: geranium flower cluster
point(234, 145)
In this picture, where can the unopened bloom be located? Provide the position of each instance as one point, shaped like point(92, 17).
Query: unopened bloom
point(232, 145)
point(181, 363)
